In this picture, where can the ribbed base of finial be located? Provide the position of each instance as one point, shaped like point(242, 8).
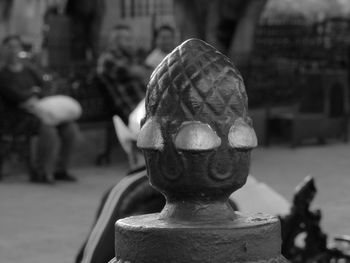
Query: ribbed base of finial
point(148, 239)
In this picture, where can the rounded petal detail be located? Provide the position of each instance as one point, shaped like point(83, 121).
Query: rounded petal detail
point(196, 136)
point(150, 136)
point(242, 135)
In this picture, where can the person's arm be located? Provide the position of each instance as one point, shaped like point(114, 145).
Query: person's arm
point(140, 72)
point(37, 76)
point(26, 99)
point(9, 93)
point(104, 63)
point(30, 105)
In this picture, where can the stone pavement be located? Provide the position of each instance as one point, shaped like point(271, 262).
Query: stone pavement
point(41, 223)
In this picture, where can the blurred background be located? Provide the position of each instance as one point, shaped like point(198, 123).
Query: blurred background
point(294, 58)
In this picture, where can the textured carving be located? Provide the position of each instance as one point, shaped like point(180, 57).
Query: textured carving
point(197, 137)
point(197, 78)
point(196, 97)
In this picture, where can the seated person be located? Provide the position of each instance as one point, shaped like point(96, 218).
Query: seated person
point(164, 44)
point(133, 195)
point(121, 75)
point(20, 89)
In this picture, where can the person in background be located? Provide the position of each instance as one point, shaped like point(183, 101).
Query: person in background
point(121, 74)
point(20, 88)
point(164, 43)
point(119, 51)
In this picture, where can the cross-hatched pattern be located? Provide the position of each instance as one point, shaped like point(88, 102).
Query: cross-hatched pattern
point(199, 80)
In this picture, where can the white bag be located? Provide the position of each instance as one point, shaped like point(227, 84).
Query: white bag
point(128, 134)
point(54, 110)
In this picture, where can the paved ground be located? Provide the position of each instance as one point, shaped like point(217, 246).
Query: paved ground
point(283, 168)
point(48, 223)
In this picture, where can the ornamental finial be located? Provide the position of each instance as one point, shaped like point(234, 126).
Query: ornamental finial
point(197, 137)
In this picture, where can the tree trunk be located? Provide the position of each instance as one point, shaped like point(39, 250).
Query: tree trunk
point(229, 25)
point(190, 16)
point(243, 40)
point(86, 19)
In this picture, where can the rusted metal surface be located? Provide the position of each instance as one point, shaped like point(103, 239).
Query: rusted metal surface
point(197, 137)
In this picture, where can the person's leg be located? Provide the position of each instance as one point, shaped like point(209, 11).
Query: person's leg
point(46, 152)
point(68, 133)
